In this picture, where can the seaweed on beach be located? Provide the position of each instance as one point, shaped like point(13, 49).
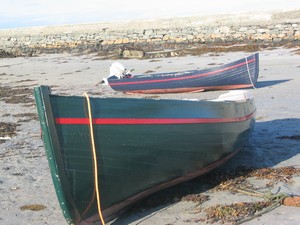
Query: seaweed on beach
point(16, 95)
point(181, 49)
point(22, 81)
point(196, 198)
point(33, 207)
point(234, 212)
point(233, 181)
point(7, 130)
point(280, 174)
point(149, 71)
point(238, 179)
point(221, 49)
point(26, 117)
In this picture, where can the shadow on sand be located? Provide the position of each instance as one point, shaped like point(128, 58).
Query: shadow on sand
point(271, 143)
point(262, 84)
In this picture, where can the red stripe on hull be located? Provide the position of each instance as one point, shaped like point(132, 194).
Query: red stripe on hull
point(149, 121)
point(181, 90)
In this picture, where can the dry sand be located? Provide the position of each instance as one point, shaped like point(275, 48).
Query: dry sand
point(24, 174)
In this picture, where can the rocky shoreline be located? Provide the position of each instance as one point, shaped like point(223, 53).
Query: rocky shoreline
point(157, 38)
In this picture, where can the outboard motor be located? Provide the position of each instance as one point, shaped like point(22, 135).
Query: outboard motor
point(117, 69)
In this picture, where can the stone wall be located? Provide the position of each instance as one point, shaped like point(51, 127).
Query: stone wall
point(136, 38)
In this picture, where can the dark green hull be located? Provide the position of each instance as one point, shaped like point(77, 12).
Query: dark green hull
point(143, 145)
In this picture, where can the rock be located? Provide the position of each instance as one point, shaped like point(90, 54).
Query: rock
point(224, 29)
point(133, 53)
point(292, 201)
point(5, 54)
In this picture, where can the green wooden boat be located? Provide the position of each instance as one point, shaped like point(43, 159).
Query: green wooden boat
point(107, 153)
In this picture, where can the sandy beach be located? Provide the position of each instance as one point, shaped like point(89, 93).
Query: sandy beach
point(27, 195)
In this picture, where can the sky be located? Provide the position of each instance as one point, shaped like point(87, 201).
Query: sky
point(31, 13)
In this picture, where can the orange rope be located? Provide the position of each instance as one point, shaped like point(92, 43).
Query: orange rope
point(94, 159)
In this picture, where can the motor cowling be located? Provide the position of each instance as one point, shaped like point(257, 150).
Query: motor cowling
point(117, 69)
